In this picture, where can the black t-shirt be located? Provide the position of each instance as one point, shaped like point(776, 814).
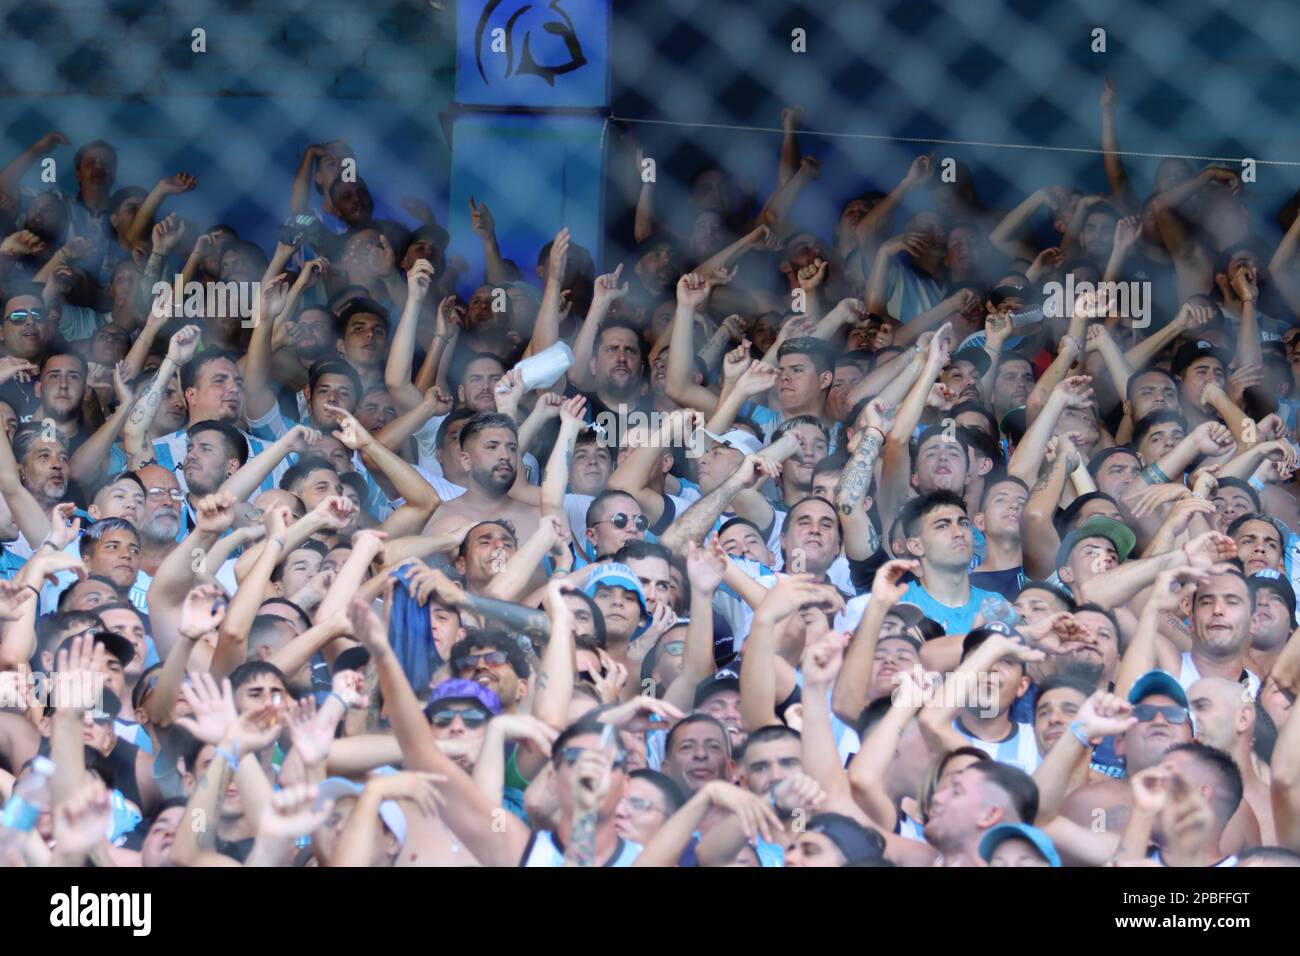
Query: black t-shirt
point(613, 422)
point(123, 760)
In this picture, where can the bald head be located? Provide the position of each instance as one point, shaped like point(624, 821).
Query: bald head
point(1223, 713)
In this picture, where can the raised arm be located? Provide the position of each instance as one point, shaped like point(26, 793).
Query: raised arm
point(467, 812)
point(853, 683)
point(141, 225)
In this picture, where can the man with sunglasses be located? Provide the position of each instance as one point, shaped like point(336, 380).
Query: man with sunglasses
point(495, 661)
point(26, 334)
point(613, 519)
point(458, 711)
point(1163, 723)
point(590, 782)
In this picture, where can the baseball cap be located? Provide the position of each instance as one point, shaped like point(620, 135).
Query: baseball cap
point(1268, 578)
point(362, 304)
point(1099, 459)
point(613, 574)
point(1098, 526)
point(976, 356)
point(1190, 352)
point(337, 788)
point(458, 689)
point(856, 842)
point(979, 635)
point(353, 659)
point(725, 679)
point(1019, 831)
point(739, 439)
point(1157, 682)
point(115, 644)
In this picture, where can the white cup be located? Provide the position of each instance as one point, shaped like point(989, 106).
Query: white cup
point(546, 367)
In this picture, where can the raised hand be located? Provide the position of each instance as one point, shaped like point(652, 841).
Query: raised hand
point(82, 821)
point(184, 343)
point(1076, 390)
point(212, 707)
point(607, 288)
point(202, 611)
point(692, 290)
point(291, 813)
point(12, 598)
point(757, 379)
point(12, 367)
point(813, 276)
point(175, 185)
point(1103, 714)
point(480, 219)
point(558, 260)
point(215, 513)
point(1212, 438)
point(706, 565)
point(1171, 588)
point(351, 432)
point(167, 233)
point(888, 586)
point(418, 280)
point(24, 242)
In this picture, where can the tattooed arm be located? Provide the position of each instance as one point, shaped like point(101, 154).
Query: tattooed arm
point(861, 539)
point(135, 434)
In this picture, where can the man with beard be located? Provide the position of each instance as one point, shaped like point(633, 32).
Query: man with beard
point(617, 370)
point(477, 382)
point(965, 370)
point(61, 387)
point(656, 265)
point(493, 660)
point(33, 479)
point(489, 452)
point(161, 520)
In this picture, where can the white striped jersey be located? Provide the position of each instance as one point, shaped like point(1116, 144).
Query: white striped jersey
point(1019, 750)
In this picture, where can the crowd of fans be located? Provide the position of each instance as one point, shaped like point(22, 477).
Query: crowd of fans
point(820, 544)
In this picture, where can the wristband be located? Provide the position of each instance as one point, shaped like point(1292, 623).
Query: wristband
point(279, 540)
point(1153, 474)
point(873, 428)
point(1076, 728)
point(34, 590)
point(1255, 483)
point(228, 757)
point(339, 697)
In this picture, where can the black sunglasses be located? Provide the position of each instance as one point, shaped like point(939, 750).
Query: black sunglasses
point(468, 661)
point(1145, 713)
point(620, 520)
point(472, 718)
